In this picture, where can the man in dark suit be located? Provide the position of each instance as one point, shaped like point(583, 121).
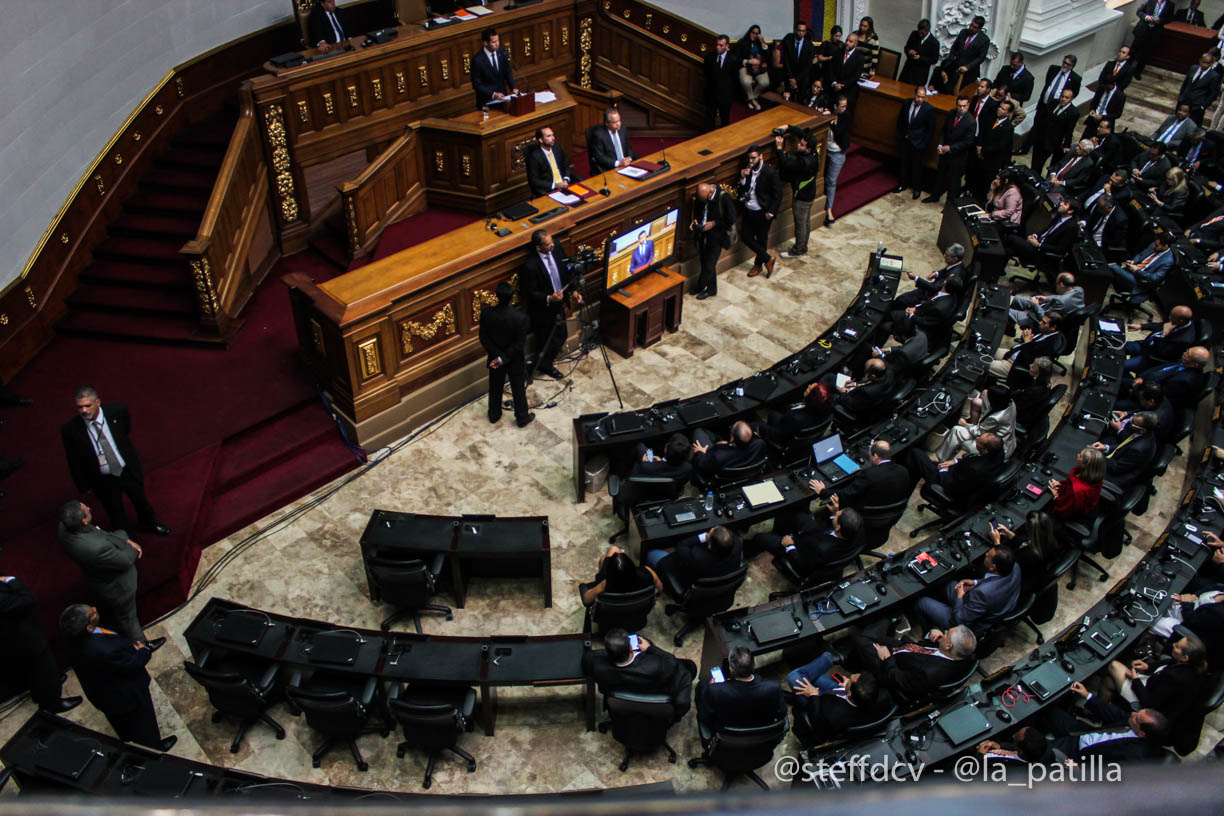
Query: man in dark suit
point(798, 51)
point(870, 398)
point(673, 464)
point(705, 555)
point(25, 647)
point(921, 53)
point(720, 71)
point(111, 670)
point(1127, 735)
point(916, 669)
point(982, 103)
point(492, 74)
point(1107, 103)
point(975, 603)
point(1107, 225)
point(1044, 340)
point(884, 482)
point(1111, 150)
point(1183, 381)
point(1130, 449)
point(760, 193)
point(808, 542)
point(548, 168)
point(1165, 341)
point(1176, 128)
point(915, 129)
point(1058, 78)
point(1054, 241)
point(103, 459)
point(1153, 15)
point(326, 26)
point(1053, 135)
point(1198, 153)
point(964, 60)
point(1172, 684)
point(1191, 15)
point(710, 457)
point(744, 700)
point(503, 334)
point(833, 707)
point(933, 316)
point(546, 285)
point(846, 72)
point(645, 670)
point(958, 139)
point(1148, 169)
point(1120, 69)
point(1111, 184)
point(993, 150)
point(927, 287)
point(1208, 234)
point(1018, 79)
point(1074, 172)
point(608, 146)
point(713, 221)
point(964, 478)
point(905, 358)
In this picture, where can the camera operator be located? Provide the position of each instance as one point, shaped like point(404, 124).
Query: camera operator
point(547, 280)
point(800, 167)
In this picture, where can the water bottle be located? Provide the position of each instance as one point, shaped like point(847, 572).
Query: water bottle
point(709, 500)
point(880, 248)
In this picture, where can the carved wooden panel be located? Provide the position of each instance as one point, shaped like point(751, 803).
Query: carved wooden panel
point(424, 328)
point(659, 77)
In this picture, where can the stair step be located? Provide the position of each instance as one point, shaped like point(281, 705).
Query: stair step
point(193, 157)
point(173, 178)
point(132, 300)
point(141, 250)
point(129, 275)
point(157, 202)
point(162, 226)
point(149, 329)
point(210, 135)
point(258, 448)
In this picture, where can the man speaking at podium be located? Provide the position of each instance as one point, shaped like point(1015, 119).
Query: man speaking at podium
point(492, 75)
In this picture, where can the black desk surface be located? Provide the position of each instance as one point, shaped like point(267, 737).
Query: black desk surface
point(791, 376)
point(390, 531)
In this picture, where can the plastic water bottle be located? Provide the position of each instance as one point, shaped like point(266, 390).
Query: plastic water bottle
point(880, 248)
point(709, 500)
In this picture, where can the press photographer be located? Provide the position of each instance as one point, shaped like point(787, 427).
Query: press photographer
point(800, 167)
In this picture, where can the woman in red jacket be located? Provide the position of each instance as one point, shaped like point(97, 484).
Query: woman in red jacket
point(1076, 496)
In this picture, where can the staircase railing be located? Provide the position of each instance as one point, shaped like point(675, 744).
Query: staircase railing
point(235, 246)
point(386, 191)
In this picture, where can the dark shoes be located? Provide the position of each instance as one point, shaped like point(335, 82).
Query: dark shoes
point(704, 295)
point(523, 423)
point(155, 644)
point(769, 266)
point(495, 418)
point(554, 372)
point(63, 704)
point(167, 744)
point(931, 199)
point(917, 194)
point(900, 189)
point(158, 529)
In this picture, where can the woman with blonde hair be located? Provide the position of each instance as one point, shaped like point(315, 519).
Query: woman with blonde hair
point(1173, 193)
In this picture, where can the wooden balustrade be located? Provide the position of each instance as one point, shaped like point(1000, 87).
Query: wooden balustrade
point(386, 191)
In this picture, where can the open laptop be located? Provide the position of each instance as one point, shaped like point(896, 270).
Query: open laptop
point(830, 459)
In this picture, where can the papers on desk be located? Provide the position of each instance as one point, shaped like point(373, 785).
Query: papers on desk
point(479, 11)
point(633, 172)
point(840, 381)
point(868, 83)
point(562, 197)
point(888, 264)
point(464, 15)
point(544, 97)
point(441, 20)
point(762, 493)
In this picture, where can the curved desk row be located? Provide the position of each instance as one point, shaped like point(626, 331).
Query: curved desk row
point(781, 384)
point(793, 621)
point(486, 662)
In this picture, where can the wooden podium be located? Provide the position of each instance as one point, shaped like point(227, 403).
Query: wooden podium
point(635, 315)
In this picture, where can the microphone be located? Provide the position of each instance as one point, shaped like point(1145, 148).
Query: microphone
point(604, 191)
point(665, 164)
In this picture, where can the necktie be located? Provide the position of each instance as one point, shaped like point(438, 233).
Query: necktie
point(1066, 168)
point(799, 48)
point(720, 60)
point(915, 648)
point(1018, 72)
point(1168, 134)
point(493, 59)
point(1118, 66)
point(111, 462)
point(556, 171)
point(1197, 74)
point(1059, 110)
point(913, 110)
point(103, 631)
point(846, 58)
point(956, 121)
point(997, 122)
point(981, 102)
point(616, 145)
point(1052, 227)
point(1104, 106)
point(969, 40)
point(551, 266)
point(1121, 445)
point(331, 16)
point(1148, 259)
point(1215, 220)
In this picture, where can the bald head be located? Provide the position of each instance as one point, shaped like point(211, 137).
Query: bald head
point(741, 433)
point(705, 191)
point(1181, 315)
point(875, 368)
point(1196, 357)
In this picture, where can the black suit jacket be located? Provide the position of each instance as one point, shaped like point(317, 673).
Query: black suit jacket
point(79, 447)
point(1060, 240)
point(536, 287)
point(1073, 82)
point(741, 703)
point(1122, 77)
point(935, 318)
point(848, 70)
point(1208, 623)
point(768, 188)
point(1128, 464)
point(539, 174)
point(1170, 346)
point(1022, 354)
point(791, 423)
point(487, 80)
point(1148, 9)
point(1202, 93)
point(720, 83)
point(1192, 16)
point(722, 213)
point(919, 132)
point(692, 561)
point(995, 140)
point(796, 61)
point(1059, 128)
point(654, 671)
point(971, 56)
point(1172, 690)
point(818, 546)
point(1115, 718)
point(875, 486)
point(960, 136)
point(1077, 176)
point(503, 333)
point(830, 716)
point(20, 630)
point(320, 28)
point(1116, 102)
point(1181, 386)
point(986, 113)
point(602, 155)
point(870, 400)
point(1154, 175)
point(913, 674)
point(918, 71)
point(720, 457)
point(1114, 235)
point(1020, 88)
point(970, 475)
point(111, 671)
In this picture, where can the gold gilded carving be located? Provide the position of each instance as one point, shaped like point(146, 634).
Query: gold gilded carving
point(64, 238)
point(439, 161)
point(626, 13)
point(178, 87)
point(328, 104)
point(483, 297)
point(206, 293)
point(370, 359)
point(376, 86)
point(400, 84)
point(443, 321)
point(30, 296)
point(526, 46)
point(350, 216)
point(3, 320)
point(423, 75)
point(466, 161)
point(703, 47)
point(584, 50)
point(159, 110)
point(445, 70)
point(118, 158)
point(316, 335)
point(607, 5)
point(649, 18)
point(666, 29)
point(684, 37)
point(352, 95)
point(274, 126)
point(546, 37)
point(136, 137)
point(304, 7)
point(467, 64)
point(303, 112)
point(520, 156)
point(565, 36)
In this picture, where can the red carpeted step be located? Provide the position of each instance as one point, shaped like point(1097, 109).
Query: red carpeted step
point(124, 274)
point(264, 445)
point(141, 250)
point(160, 202)
point(152, 328)
point(212, 135)
point(273, 488)
point(201, 158)
point(146, 225)
point(132, 300)
point(175, 179)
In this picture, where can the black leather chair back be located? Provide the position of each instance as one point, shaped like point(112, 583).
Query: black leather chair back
point(799, 450)
point(732, 475)
point(878, 521)
point(331, 713)
point(639, 721)
point(885, 716)
point(432, 726)
point(740, 750)
point(709, 596)
point(623, 610)
point(1045, 602)
point(232, 692)
point(404, 584)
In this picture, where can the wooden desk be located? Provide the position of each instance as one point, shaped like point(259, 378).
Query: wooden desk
point(477, 165)
point(876, 112)
point(635, 315)
point(1181, 45)
point(395, 342)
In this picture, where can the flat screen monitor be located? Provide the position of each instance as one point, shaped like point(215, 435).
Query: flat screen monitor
point(640, 249)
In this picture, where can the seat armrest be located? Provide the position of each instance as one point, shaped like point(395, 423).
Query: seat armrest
point(613, 485)
point(367, 693)
point(672, 584)
point(295, 678)
point(436, 564)
point(268, 678)
point(394, 691)
point(202, 660)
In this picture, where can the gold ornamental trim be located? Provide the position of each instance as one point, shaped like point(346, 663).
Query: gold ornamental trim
point(526, 46)
point(400, 85)
point(423, 75)
point(369, 358)
point(274, 126)
point(584, 50)
point(376, 86)
point(329, 104)
point(350, 216)
point(465, 161)
point(352, 95)
point(445, 70)
point(483, 297)
point(439, 161)
point(442, 321)
point(303, 112)
point(206, 293)
point(546, 41)
point(467, 64)
point(316, 335)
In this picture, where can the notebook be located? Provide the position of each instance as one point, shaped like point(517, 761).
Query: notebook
point(831, 460)
point(863, 593)
point(762, 493)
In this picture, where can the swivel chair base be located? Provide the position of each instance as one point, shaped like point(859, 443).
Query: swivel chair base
point(245, 726)
point(1086, 559)
point(416, 616)
point(702, 762)
point(689, 627)
point(403, 747)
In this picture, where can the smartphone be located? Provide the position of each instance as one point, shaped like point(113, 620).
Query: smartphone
point(649, 455)
point(1034, 489)
point(1194, 538)
point(1102, 641)
point(1154, 594)
point(716, 675)
point(856, 601)
point(633, 642)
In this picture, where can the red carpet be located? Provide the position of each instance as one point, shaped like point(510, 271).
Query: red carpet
point(864, 177)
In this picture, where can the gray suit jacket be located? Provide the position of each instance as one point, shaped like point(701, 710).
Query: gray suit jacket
point(1180, 135)
point(108, 561)
point(992, 598)
point(1069, 303)
point(1002, 423)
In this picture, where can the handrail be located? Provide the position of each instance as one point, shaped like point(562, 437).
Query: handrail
point(382, 193)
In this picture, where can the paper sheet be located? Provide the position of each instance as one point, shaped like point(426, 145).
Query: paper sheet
point(544, 97)
point(868, 83)
point(762, 493)
point(632, 172)
point(562, 197)
point(479, 11)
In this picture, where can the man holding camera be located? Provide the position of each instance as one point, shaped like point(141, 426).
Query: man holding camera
point(800, 167)
point(760, 193)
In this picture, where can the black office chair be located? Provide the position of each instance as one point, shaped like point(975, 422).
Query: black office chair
point(947, 509)
point(620, 610)
point(1069, 328)
point(878, 521)
point(1105, 533)
point(825, 573)
point(996, 633)
point(1045, 603)
point(433, 718)
point(408, 586)
point(1048, 263)
point(740, 751)
point(1028, 438)
point(339, 708)
point(730, 476)
point(241, 687)
point(639, 722)
point(805, 731)
point(707, 596)
point(1189, 727)
point(1132, 301)
point(798, 450)
point(632, 492)
point(937, 694)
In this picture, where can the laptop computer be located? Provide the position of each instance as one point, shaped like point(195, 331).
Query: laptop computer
point(695, 413)
point(863, 593)
point(1098, 404)
point(830, 459)
point(680, 513)
point(618, 424)
point(1046, 680)
point(759, 388)
point(963, 724)
point(68, 757)
point(773, 626)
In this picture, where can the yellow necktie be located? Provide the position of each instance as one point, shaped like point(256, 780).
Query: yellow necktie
point(552, 162)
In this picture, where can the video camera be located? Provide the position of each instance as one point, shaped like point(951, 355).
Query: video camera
point(580, 263)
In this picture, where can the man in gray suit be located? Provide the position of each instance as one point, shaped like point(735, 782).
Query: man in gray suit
point(108, 561)
point(1067, 300)
point(976, 604)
